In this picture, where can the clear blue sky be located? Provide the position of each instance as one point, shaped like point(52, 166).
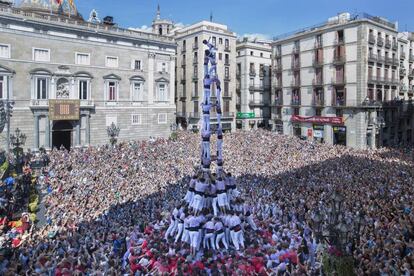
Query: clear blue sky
point(269, 17)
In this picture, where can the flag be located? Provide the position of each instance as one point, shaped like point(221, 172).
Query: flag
point(71, 3)
point(59, 2)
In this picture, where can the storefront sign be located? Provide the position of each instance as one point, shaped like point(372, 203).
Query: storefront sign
point(245, 115)
point(64, 110)
point(318, 120)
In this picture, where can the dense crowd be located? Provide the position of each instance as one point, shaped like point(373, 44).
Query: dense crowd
point(108, 208)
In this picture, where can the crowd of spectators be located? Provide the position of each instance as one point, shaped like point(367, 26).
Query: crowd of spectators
point(107, 208)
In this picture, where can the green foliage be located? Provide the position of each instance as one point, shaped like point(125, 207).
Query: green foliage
point(4, 167)
point(341, 266)
point(174, 136)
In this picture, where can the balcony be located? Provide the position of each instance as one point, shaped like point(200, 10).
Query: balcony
point(257, 103)
point(87, 104)
point(278, 68)
point(371, 39)
point(254, 88)
point(318, 44)
point(278, 53)
point(295, 83)
point(318, 101)
point(183, 97)
point(402, 55)
point(195, 61)
point(226, 62)
point(278, 101)
point(318, 62)
point(278, 84)
point(411, 58)
point(394, 81)
point(338, 81)
point(295, 102)
point(34, 103)
point(194, 115)
point(227, 49)
point(394, 45)
point(411, 74)
point(194, 95)
point(252, 72)
point(317, 81)
point(387, 43)
point(372, 79)
point(183, 63)
point(380, 41)
point(339, 41)
point(195, 77)
point(339, 59)
point(403, 72)
point(195, 46)
point(180, 114)
point(380, 59)
point(295, 65)
point(372, 57)
point(182, 81)
point(295, 50)
point(227, 95)
point(338, 101)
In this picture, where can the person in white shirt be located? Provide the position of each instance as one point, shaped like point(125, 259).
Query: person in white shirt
point(248, 214)
point(220, 235)
point(208, 241)
point(199, 191)
point(186, 234)
point(193, 227)
point(190, 192)
point(236, 232)
point(213, 194)
point(173, 223)
point(180, 226)
point(221, 195)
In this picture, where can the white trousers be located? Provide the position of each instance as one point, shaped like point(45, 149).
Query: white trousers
point(180, 228)
point(186, 236)
point(215, 207)
point(251, 222)
point(171, 229)
point(237, 238)
point(193, 238)
point(221, 237)
point(208, 241)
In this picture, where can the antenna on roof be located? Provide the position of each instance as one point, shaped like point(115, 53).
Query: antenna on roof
point(211, 16)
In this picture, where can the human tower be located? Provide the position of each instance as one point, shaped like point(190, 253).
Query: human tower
point(212, 211)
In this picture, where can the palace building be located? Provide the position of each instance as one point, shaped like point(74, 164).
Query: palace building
point(70, 79)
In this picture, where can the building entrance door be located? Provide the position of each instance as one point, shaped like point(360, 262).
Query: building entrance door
point(62, 134)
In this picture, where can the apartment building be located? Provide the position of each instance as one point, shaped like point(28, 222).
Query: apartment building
point(190, 72)
point(334, 81)
point(70, 79)
point(253, 74)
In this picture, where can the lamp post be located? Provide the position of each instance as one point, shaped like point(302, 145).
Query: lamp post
point(113, 132)
point(17, 140)
point(340, 231)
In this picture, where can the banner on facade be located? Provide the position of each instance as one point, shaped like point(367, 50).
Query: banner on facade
point(318, 120)
point(66, 110)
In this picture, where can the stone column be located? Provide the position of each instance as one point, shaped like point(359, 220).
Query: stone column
point(77, 133)
point(151, 61)
point(87, 130)
point(172, 80)
point(47, 133)
point(36, 131)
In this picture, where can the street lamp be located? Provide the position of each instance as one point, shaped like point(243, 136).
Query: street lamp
point(113, 132)
point(341, 231)
point(18, 139)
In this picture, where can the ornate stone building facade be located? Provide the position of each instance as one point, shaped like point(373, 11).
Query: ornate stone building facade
point(70, 79)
